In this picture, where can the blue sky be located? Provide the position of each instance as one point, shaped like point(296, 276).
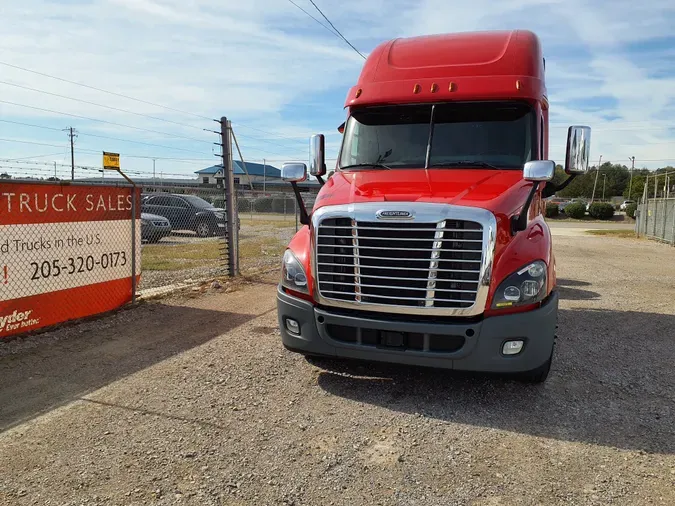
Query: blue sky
point(280, 76)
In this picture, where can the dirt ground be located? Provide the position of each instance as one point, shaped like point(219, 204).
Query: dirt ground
point(193, 400)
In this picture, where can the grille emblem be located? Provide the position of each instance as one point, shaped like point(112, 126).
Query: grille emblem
point(394, 215)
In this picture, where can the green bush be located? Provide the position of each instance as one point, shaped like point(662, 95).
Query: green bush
point(552, 210)
point(576, 210)
point(601, 210)
point(630, 210)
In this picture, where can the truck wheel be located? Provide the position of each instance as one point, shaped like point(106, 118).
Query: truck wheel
point(316, 360)
point(539, 374)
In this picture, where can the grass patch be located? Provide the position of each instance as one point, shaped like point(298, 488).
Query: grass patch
point(626, 234)
point(253, 250)
point(267, 223)
point(175, 257)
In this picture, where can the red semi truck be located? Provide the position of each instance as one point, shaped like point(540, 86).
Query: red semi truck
point(427, 245)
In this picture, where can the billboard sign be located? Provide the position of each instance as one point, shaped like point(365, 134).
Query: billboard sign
point(65, 252)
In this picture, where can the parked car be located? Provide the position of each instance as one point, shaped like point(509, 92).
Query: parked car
point(154, 227)
point(186, 212)
point(573, 201)
point(625, 204)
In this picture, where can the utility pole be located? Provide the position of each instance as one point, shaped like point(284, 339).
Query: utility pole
point(72, 133)
point(55, 170)
point(604, 181)
point(632, 168)
point(264, 174)
point(154, 179)
point(596, 179)
point(228, 177)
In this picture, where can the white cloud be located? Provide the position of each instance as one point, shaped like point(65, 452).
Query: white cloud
point(266, 65)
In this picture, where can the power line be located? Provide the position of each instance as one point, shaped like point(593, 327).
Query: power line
point(30, 157)
point(319, 22)
point(92, 151)
point(104, 121)
point(104, 137)
point(269, 142)
point(336, 30)
point(106, 91)
point(100, 105)
point(137, 128)
point(292, 139)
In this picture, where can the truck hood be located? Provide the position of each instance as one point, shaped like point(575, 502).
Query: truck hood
point(500, 191)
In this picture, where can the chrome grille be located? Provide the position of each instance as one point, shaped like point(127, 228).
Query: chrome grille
point(422, 265)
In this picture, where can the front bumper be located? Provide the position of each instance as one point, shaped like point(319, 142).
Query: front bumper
point(471, 346)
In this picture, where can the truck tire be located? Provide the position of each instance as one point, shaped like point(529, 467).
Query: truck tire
point(537, 375)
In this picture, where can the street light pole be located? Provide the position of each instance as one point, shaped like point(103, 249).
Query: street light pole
point(630, 183)
point(596, 179)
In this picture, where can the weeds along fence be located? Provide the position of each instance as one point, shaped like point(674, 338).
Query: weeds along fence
point(184, 231)
point(656, 219)
point(268, 222)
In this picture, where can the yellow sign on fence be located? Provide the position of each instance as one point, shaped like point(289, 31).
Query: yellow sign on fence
point(111, 161)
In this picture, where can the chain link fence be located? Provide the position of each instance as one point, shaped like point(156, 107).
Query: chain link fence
point(185, 231)
point(655, 219)
point(66, 252)
point(184, 234)
point(268, 222)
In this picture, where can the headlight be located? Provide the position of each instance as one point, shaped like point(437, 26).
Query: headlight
point(525, 286)
point(293, 275)
point(219, 216)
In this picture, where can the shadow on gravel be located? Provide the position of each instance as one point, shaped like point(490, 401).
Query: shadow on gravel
point(612, 384)
point(73, 361)
point(567, 292)
point(571, 282)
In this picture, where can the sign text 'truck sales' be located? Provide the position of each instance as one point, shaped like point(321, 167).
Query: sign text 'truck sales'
point(65, 252)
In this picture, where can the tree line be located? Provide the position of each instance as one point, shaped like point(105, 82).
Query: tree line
point(617, 181)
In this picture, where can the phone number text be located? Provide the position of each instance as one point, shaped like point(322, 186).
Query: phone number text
point(77, 265)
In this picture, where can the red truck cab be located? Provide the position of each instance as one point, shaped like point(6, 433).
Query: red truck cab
point(427, 245)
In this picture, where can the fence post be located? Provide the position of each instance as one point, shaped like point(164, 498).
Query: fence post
point(665, 217)
point(133, 244)
point(673, 242)
point(228, 179)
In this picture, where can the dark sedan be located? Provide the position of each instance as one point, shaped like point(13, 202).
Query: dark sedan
point(186, 212)
point(154, 227)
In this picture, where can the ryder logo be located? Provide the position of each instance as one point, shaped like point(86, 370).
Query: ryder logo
point(16, 320)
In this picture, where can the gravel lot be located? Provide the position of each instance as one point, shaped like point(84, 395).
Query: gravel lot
point(193, 400)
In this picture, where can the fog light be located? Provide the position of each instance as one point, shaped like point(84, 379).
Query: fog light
point(292, 326)
point(512, 347)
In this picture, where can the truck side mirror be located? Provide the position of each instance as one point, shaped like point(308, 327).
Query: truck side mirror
point(539, 170)
point(294, 172)
point(578, 149)
point(317, 155)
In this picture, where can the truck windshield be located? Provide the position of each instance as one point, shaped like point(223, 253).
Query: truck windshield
point(459, 134)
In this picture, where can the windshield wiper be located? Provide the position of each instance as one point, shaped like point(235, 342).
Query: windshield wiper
point(464, 163)
point(372, 165)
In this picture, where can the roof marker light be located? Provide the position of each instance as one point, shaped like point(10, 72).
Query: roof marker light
point(358, 93)
point(518, 84)
point(452, 87)
point(417, 88)
point(434, 88)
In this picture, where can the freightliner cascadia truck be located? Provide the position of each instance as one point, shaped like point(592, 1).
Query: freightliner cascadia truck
point(428, 245)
